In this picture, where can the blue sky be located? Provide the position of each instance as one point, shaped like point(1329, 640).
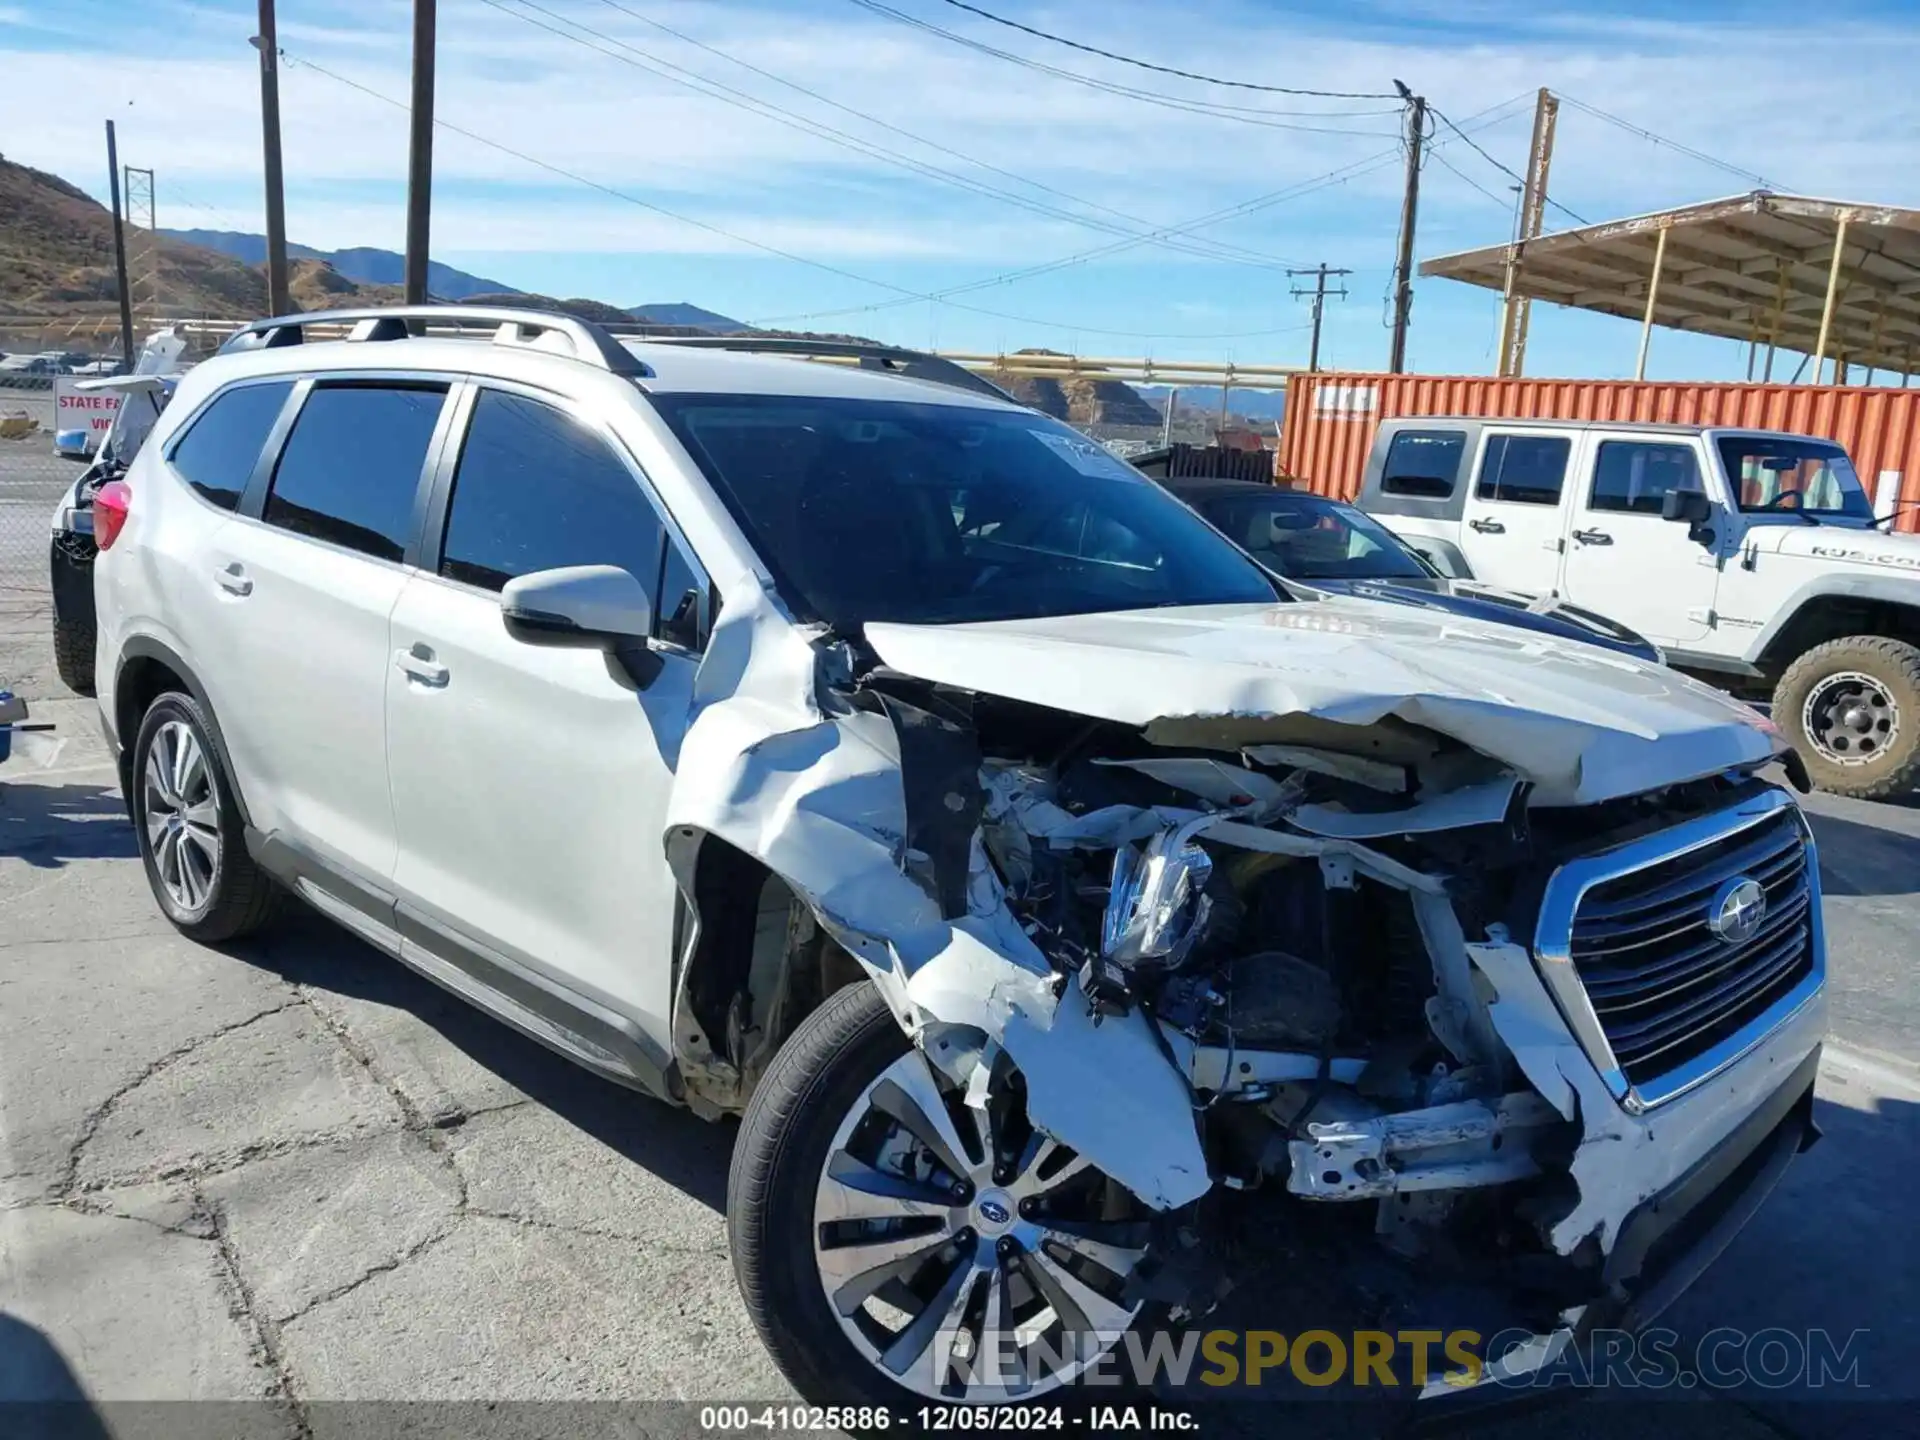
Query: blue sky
point(918, 166)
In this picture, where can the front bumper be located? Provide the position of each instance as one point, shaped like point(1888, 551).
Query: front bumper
point(1665, 1244)
point(1668, 1241)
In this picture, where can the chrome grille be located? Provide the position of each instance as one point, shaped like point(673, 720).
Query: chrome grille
point(1627, 943)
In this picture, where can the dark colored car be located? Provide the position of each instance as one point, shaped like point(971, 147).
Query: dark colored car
point(1324, 545)
point(72, 551)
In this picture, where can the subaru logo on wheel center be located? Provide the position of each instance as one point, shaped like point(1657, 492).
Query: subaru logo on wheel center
point(1738, 908)
point(994, 1213)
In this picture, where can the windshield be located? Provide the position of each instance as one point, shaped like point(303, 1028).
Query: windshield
point(1307, 538)
point(1784, 476)
point(883, 510)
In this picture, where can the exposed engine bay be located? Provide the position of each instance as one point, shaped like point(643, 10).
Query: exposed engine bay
point(1272, 953)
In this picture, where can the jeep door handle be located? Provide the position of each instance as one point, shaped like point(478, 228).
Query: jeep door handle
point(1488, 527)
point(1593, 537)
point(419, 664)
point(234, 579)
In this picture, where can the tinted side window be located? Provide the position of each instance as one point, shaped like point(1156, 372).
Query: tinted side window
point(536, 490)
point(1423, 463)
point(350, 468)
point(1523, 469)
point(220, 449)
point(1635, 476)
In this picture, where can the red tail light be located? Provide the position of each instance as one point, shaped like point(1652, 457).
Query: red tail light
point(110, 512)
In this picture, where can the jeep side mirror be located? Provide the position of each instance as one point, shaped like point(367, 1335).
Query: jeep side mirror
point(1692, 506)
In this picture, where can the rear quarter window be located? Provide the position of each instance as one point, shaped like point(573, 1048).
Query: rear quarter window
point(222, 445)
point(1423, 463)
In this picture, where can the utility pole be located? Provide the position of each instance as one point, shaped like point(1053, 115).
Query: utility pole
point(267, 42)
point(1319, 292)
point(120, 252)
point(420, 154)
point(1166, 423)
point(1515, 308)
point(1409, 218)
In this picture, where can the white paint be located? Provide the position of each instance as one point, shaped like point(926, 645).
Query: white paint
point(1583, 724)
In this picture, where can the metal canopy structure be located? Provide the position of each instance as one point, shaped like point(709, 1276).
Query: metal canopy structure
point(1829, 278)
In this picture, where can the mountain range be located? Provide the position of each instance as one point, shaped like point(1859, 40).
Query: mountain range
point(367, 265)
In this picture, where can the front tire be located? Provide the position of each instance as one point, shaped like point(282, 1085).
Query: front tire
point(896, 1247)
point(1851, 707)
point(192, 839)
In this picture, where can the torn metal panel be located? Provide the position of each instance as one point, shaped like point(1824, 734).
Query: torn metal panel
point(1250, 794)
point(1625, 1159)
point(819, 799)
point(1357, 769)
point(1582, 723)
point(1485, 804)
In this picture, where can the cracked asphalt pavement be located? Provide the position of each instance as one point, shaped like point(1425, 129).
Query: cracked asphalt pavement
point(290, 1172)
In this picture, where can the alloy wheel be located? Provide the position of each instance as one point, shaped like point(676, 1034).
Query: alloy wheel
point(965, 1254)
point(182, 814)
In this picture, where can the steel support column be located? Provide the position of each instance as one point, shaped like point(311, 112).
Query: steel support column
point(1653, 298)
point(1826, 307)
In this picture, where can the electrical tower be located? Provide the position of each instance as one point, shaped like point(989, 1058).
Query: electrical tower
point(143, 263)
point(1319, 292)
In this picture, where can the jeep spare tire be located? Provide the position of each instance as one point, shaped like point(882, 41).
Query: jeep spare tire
point(1851, 707)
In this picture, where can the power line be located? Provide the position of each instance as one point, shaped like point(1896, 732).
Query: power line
point(1225, 250)
point(1506, 170)
point(717, 90)
point(1245, 114)
point(1687, 150)
point(1165, 69)
point(1506, 205)
point(907, 296)
point(1481, 120)
point(1334, 177)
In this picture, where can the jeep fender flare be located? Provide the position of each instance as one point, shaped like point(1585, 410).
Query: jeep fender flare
point(1881, 589)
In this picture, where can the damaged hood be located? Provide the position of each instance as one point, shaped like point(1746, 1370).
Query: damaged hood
point(1582, 723)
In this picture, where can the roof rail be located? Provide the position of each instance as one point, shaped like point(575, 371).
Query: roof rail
point(915, 364)
point(591, 343)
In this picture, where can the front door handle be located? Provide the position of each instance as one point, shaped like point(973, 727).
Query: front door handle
point(234, 579)
point(419, 664)
point(1488, 527)
point(1593, 537)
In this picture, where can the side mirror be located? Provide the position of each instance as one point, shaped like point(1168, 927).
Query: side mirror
point(1691, 506)
point(590, 606)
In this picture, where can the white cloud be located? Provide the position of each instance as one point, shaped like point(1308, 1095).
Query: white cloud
point(1762, 95)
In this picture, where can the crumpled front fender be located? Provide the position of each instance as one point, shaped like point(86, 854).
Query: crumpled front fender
point(818, 798)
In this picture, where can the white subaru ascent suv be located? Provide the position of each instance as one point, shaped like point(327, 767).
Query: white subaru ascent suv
point(845, 746)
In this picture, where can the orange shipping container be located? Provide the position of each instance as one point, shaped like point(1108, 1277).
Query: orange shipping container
point(1330, 418)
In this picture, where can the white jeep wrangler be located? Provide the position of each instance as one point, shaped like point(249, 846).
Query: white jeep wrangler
point(1752, 557)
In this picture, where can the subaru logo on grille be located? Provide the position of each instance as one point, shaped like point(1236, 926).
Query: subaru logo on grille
point(1737, 910)
point(994, 1213)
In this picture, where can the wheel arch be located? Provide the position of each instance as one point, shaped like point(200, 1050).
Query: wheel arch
point(727, 974)
point(147, 669)
point(1826, 610)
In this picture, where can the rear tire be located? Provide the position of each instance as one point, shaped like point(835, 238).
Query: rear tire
point(1851, 707)
point(73, 655)
point(192, 839)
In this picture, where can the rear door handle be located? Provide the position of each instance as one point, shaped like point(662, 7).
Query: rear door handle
point(419, 664)
point(234, 579)
point(1593, 537)
point(1488, 527)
